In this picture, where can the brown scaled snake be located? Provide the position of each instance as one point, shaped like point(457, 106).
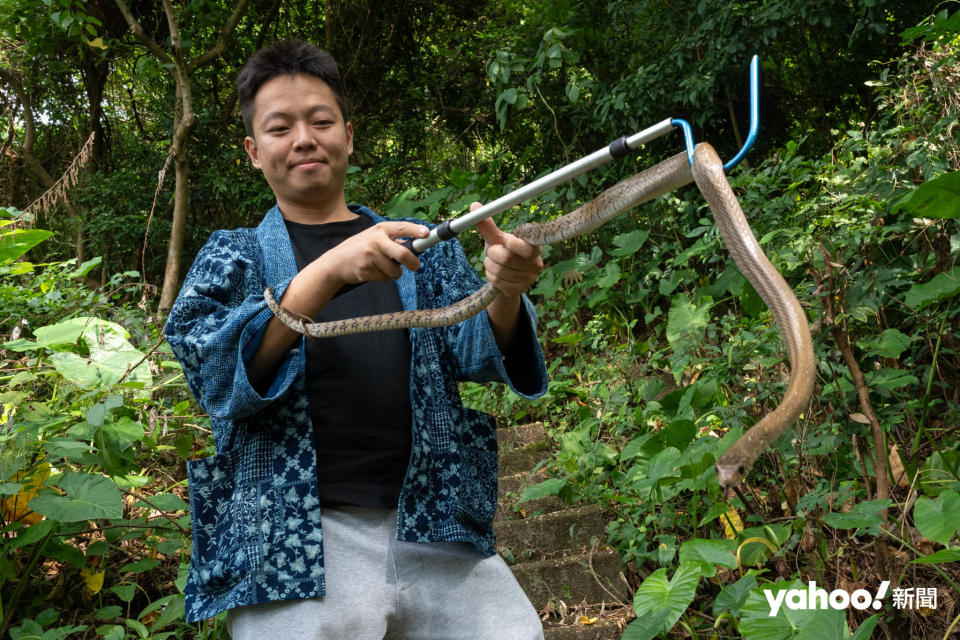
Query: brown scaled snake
point(707, 171)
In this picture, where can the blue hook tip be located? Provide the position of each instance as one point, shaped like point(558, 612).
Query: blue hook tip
point(754, 120)
point(754, 115)
point(687, 136)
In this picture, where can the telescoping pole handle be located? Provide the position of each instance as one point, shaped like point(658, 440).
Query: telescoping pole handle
point(616, 149)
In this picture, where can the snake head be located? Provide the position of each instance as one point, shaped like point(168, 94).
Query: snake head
point(730, 474)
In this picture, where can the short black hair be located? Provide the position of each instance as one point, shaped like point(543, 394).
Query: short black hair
point(286, 57)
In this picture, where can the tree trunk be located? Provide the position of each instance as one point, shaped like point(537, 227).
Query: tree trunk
point(181, 69)
point(328, 25)
point(181, 208)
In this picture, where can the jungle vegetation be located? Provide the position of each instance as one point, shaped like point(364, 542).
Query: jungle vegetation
point(121, 150)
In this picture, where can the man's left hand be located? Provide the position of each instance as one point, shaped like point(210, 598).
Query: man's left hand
point(512, 265)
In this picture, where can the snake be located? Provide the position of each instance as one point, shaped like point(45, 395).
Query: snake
point(706, 170)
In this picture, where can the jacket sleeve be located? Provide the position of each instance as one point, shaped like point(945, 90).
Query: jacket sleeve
point(477, 356)
point(217, 323)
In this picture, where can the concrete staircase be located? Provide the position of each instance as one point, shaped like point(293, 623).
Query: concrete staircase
point(557, 551)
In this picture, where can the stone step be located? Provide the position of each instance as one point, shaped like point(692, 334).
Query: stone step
point(570, 528)
point(507, 509)
point(520, 435)
point(521, 459)
point(609, 629)
point(569, 578)
point(548, 550)
point(517, 482)
point(512, 487)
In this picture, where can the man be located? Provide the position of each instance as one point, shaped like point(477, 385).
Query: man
point(365, 434)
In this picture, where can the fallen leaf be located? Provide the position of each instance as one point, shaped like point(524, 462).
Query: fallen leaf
point(859, 417)
point(808, 540)
point(92, 580)
point(586, 620)
point(14, 508)
point(792, 491)
point(734, 517)
point(897, 469)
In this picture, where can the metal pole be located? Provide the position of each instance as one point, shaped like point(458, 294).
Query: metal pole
point(547, 182)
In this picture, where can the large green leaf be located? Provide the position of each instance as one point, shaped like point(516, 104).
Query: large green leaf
point(629, 243)
point(735, 595)
point(110, 353)
point(647, 627)
point(756, 623)
point(164, 502)
point(686, 318)
point(865, 630)
point(664, 464)
point(97, 414)
point(65, 332)
point(16, 242)
point(610, 276)
point(754, 552)
point(940, 472)
point(938, 519)
point(944, 556)
point(940, 287)
point(889, 344)
point(550, 487)
point(636, 447)
point(658, 594)
point(34, 533)
point(71, 449)
point(88, 497)
point(708, 554)
point(937, 198)
point(173, 609)
point(866, 515)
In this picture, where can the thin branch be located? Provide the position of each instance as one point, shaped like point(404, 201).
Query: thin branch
point(172, 24)
point(841, 337)
point(132, 368)
point(157, 509)
point(218, 49)
point(596, 577)
point(140, 34)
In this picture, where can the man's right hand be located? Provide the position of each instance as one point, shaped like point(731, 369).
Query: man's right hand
point(376, 254)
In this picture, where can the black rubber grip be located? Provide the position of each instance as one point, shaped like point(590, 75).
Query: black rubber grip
point(408, 245)
point(618, 148)
point(444, 232)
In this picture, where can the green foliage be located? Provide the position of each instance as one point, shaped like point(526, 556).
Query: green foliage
point(663, 355)
point(936, 198)
point(938, 519)
point(757, 624)
point(660, 353)
point(659, 602)
point(91, 424)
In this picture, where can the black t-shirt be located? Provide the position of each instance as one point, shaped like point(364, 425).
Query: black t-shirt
point(358, 386)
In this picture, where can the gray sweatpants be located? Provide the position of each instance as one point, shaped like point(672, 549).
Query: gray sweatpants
point(379, 588)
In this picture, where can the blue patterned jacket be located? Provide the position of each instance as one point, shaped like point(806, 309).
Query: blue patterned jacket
point(254, 507)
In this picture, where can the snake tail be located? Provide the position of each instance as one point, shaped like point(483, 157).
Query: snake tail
point(789, 316)
point(465, 308)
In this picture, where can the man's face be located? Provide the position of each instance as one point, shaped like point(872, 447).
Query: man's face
point(300, 142)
